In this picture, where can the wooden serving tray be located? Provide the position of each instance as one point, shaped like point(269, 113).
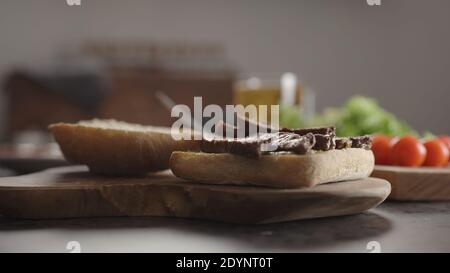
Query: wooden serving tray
point(72, 192)
point(416, 184)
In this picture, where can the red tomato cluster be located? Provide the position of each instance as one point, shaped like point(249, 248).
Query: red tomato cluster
point(408, 151)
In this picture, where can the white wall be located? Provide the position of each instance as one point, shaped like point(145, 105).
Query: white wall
point(397, 52)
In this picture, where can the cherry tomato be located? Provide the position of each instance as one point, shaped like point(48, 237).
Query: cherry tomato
point(381, 148)
point(446, 140)
point(437, 153)
point(394, 141)
point(408, 152)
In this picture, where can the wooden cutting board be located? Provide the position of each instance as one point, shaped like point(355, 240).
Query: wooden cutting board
point(416, 184)
point(72, 192)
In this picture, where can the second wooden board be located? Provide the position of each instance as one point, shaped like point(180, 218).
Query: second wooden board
point(416, 184)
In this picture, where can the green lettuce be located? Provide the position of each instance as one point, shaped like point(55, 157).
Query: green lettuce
point(358, 116)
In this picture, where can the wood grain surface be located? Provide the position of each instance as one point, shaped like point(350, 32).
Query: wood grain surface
point(416, 184)
point(73, 192)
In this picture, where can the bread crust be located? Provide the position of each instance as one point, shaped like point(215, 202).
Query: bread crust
point(277, 170)
point(109, 147)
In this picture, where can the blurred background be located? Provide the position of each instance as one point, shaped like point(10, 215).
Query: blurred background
point(364, 68)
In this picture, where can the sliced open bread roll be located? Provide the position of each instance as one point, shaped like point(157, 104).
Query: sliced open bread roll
point(118, 148)
point(275, 170)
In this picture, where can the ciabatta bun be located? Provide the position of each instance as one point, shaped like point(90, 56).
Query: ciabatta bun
point(118, 148)
point(275, 170)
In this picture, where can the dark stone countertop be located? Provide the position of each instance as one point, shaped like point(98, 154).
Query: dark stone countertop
point(397, 227)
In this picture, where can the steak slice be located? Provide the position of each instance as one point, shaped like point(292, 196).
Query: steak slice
point(316, 131)
point(343, 143)
point(254, 147)
point(363, 142)
point(325, 136)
